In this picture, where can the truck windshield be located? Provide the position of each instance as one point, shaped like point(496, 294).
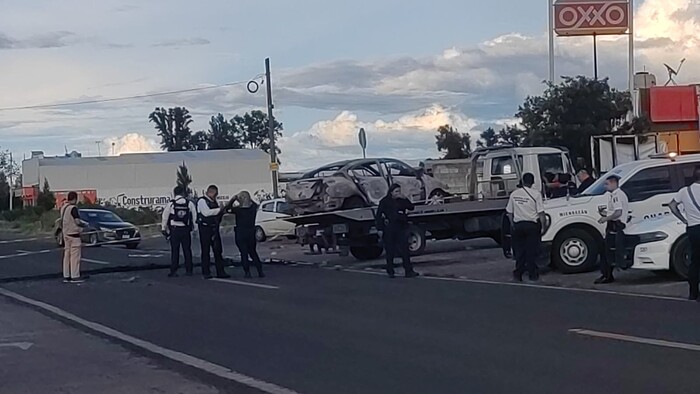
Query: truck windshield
point(598, 187)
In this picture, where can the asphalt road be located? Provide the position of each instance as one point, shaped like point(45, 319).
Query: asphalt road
point(322, 330)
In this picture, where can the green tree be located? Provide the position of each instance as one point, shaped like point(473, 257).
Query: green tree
point(510, 135)
point(488, 138)
point(569, 113)
point(46, 201)
point(173, 127)
point(224, 134)
point(455, 144)
point(184, 179)
point(254, 130)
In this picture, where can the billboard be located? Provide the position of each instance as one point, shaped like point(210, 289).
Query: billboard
point(591, 17)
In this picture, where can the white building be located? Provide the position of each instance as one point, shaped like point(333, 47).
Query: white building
point(148, 179)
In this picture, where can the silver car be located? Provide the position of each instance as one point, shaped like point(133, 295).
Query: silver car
point(359, 183)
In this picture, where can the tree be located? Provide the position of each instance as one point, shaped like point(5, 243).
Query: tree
point(569, 113)
point(255, 132)
point(510, 135)
point(4, 192)
point(224, 134)
point(173, 127)
point(46, 201)
point(456, 144)
point(488, 138)
point(184, 179)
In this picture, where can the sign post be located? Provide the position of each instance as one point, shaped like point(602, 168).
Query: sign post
point(363, 142)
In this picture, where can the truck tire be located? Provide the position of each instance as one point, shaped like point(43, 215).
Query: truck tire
point(416, 240)
point(680, 257)
point(366, 252)
point(575, 250)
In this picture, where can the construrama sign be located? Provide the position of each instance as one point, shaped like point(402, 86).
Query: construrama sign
point(589, 17)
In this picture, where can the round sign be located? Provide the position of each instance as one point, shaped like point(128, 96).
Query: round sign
point(253, 87)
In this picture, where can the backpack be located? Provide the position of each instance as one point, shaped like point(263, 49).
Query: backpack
point(181, 213)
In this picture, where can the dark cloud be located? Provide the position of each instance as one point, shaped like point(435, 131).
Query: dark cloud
point(183, 42)
point(46, 40)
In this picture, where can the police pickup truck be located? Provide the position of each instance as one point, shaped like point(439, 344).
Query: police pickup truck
point(571, 228)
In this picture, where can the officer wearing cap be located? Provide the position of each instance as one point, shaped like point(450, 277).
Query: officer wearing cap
point(525, 211)
point(615, 219)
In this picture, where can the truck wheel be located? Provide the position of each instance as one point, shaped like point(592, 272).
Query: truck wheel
point(416, 240)
point(366, 252)
point(680, 258)
point(575, 251)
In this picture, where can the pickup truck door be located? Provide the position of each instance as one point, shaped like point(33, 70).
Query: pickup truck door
point(648, 190)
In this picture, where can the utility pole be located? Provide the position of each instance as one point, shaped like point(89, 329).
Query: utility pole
point(99, 153)
point(271, 125)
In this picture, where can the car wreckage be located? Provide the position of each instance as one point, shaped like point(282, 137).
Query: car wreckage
point(359, 183)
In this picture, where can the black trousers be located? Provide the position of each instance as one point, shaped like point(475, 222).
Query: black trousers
point(396, 243)
point(247, 245)
point(694, 269)
point(210, 239)
point(614, 249)
point(180, 238)
point(526, 240)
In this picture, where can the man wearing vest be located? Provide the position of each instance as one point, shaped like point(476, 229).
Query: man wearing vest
point(689, 197)
point(615, 221)
point(209, 214)
point(525, 210)
point(71, 228)
point(178, 221)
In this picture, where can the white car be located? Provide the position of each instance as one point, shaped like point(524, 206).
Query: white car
point(269, 221)
point(659, 244)
point(572, 229)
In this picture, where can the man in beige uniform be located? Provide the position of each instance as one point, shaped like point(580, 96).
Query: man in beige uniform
point(71, 227)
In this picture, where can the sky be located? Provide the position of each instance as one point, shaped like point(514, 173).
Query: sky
point(400, 69)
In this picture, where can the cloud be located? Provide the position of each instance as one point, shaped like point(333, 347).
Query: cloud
point(129, 143)
point(183, 42)
point(411, 136)
point(47, 40)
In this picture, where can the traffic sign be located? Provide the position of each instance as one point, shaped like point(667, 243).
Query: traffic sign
point(363, 141)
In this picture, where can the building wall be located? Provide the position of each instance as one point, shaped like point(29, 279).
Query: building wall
point(148, 179)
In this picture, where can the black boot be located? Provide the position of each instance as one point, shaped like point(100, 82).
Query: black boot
point(604, 280)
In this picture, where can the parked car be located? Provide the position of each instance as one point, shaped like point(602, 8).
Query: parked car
point(103, 227)
point(269, 221)
point(572, 229)
point(659, 244)
point(359, 183)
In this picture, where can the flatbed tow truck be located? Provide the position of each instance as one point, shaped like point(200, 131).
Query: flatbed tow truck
point(495, 172)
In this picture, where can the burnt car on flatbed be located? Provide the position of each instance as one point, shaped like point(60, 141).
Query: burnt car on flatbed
point(359, 183)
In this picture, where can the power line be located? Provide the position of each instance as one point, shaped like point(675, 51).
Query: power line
point(125, 98)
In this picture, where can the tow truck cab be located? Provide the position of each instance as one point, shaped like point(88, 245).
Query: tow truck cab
point(572, 229)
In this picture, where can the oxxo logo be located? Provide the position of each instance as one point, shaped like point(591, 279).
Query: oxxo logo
point(591, 17)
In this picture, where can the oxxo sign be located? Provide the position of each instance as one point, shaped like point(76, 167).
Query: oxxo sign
point(589, 17)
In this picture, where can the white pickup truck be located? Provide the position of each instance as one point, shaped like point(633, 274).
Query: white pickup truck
point(572, 229)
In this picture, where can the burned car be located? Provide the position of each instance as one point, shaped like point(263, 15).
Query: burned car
point(359, 183)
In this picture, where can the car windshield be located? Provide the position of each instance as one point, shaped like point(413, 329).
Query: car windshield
point(598, 187)
point(100, 216)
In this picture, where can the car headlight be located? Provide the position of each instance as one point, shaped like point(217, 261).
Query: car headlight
point(652, 237)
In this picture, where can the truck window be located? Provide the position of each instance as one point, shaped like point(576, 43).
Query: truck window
point(268, 207)
point(688, 171)
point(552, 163)
point(648, 183)
point(504, 166)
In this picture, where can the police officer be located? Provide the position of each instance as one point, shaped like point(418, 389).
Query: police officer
point(392, 223)
point(525, 210)
point(177, 224)
point(209, 214)
point(689, 197)
point(615, 219)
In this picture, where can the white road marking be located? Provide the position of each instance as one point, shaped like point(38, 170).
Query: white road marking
point(236, 282)
point(629, 338)
point(19, 345)
point(100, 262)
point(183, 358)
point(12, 241)
point(571, 289)
point(23, 253)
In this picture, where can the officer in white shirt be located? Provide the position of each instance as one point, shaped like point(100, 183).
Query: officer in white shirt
point(689, 197)
point(525, 211)
point(615, 219)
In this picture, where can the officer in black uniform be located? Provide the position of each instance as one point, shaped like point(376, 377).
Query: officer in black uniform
point(392, 223)
point(177, 224)
point(209, 214)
